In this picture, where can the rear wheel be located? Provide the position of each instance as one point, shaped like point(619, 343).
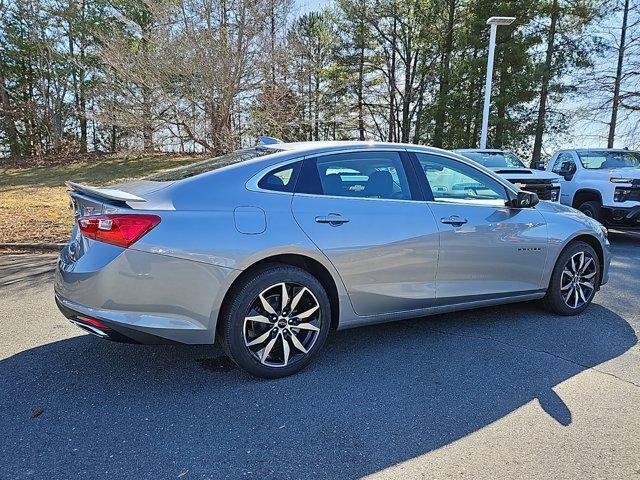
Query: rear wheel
point(276, 321)
point(574, 280)
point(591, 209)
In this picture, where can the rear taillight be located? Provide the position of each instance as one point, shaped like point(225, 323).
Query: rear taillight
point(117, 229)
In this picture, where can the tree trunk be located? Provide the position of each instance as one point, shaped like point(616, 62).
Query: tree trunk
point(445, 72)
point(8, 119)
point(616, 84)
point(360, 92)
point(546, 78)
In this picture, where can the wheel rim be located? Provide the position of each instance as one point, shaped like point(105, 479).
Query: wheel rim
point(282, 324)
point(577, 282)
point(587, 211)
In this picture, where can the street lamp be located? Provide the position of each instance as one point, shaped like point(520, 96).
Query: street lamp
point(494, 22)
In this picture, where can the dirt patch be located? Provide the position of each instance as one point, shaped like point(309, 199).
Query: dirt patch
point(34, 205)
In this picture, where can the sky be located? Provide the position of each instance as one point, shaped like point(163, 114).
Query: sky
point(582, 133)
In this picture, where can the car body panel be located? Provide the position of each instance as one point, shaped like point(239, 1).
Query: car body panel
point(481, 256)
point(387, 263)
point(173, 281)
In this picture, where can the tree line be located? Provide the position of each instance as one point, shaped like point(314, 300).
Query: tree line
point(212, 75)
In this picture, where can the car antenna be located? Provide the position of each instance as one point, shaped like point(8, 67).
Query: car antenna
point(266, 140)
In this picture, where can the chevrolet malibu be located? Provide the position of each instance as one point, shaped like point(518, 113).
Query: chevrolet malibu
point(269, 249)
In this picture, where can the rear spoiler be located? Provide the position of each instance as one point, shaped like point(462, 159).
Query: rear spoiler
point(109, 193)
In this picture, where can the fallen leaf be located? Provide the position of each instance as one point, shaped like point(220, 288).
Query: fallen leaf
point(37, 412)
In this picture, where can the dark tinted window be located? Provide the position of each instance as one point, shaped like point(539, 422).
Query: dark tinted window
point(357, 174)
point(281, 179)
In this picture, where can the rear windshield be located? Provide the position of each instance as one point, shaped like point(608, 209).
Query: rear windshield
point(495, 159)
point(207, 165)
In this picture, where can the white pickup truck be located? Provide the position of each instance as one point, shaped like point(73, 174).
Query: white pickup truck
point(603, 184)
point(507, 164)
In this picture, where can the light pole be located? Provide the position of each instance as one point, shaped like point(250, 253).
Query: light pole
point(494, 22)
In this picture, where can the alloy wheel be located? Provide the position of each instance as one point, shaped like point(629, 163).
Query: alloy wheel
point(282, 324)
point(577, 282)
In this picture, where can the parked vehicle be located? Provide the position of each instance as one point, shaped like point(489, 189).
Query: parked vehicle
point(289, 241)
point(602, 183)
point(507, 164)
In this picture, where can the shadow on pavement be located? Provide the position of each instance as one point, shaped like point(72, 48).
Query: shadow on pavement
point(377, 396)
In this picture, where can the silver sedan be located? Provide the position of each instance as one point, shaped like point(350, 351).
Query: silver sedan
point(287, 242)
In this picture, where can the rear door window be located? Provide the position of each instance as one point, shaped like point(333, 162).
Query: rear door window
point(359, 175)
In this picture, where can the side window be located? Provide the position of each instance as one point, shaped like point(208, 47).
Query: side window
point(456, 182)
point(281, 179)
point(564, 163)
point(358, 174)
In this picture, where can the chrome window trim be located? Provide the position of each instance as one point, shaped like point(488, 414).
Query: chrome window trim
point(252, 183)
point(336, 197)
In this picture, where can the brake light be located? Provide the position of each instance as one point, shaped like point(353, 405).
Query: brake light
point(117, 229)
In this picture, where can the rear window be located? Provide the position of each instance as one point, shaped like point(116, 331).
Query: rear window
point(282, 179)
point(208, 165)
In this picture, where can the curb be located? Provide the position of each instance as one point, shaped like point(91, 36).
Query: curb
point(33, 246)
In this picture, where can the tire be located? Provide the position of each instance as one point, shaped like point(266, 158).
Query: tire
point(249, 329)
point(591, 209)
point(563, 295)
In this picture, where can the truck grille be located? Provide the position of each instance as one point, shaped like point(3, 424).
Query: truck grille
point(545, 189)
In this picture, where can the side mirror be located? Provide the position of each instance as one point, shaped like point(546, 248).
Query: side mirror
point(568, 170)
point(525, 200)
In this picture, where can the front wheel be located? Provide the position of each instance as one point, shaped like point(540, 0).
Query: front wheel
point(574, 280)
point(591, 209)
point(276, 321)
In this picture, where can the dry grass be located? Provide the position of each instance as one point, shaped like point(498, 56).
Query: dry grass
point(34, 206)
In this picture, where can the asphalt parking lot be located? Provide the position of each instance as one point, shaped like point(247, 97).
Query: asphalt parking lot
point(503, 392)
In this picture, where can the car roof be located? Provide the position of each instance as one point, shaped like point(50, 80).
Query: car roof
point(621, 150)
point(481, 150)
point(295, 149)
point(338, 145)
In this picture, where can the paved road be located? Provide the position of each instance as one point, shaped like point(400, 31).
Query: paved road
point(496, 393)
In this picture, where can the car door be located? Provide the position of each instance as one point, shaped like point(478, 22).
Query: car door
point(566, 167)
point(360, 211)
point(487, 249)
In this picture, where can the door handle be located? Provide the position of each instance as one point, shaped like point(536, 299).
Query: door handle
point(332, 219)
point(454, 220)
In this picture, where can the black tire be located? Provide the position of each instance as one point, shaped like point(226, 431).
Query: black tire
point(591, 209)
point(244, 299)
point(554, 300)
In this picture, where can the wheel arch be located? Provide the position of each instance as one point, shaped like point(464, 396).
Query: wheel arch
point(585, 195)
point(590, 240)
point(307, 263)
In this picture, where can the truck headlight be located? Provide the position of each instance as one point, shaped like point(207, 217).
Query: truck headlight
point(621, 194)
point(620, 180)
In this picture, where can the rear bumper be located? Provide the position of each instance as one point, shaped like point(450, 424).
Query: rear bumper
point(103, 327)
point(141, 297)
point(627, 218)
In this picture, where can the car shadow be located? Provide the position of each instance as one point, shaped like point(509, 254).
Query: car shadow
point(376, 396)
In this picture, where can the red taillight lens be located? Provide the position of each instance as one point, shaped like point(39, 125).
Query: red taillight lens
point(122, 230)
